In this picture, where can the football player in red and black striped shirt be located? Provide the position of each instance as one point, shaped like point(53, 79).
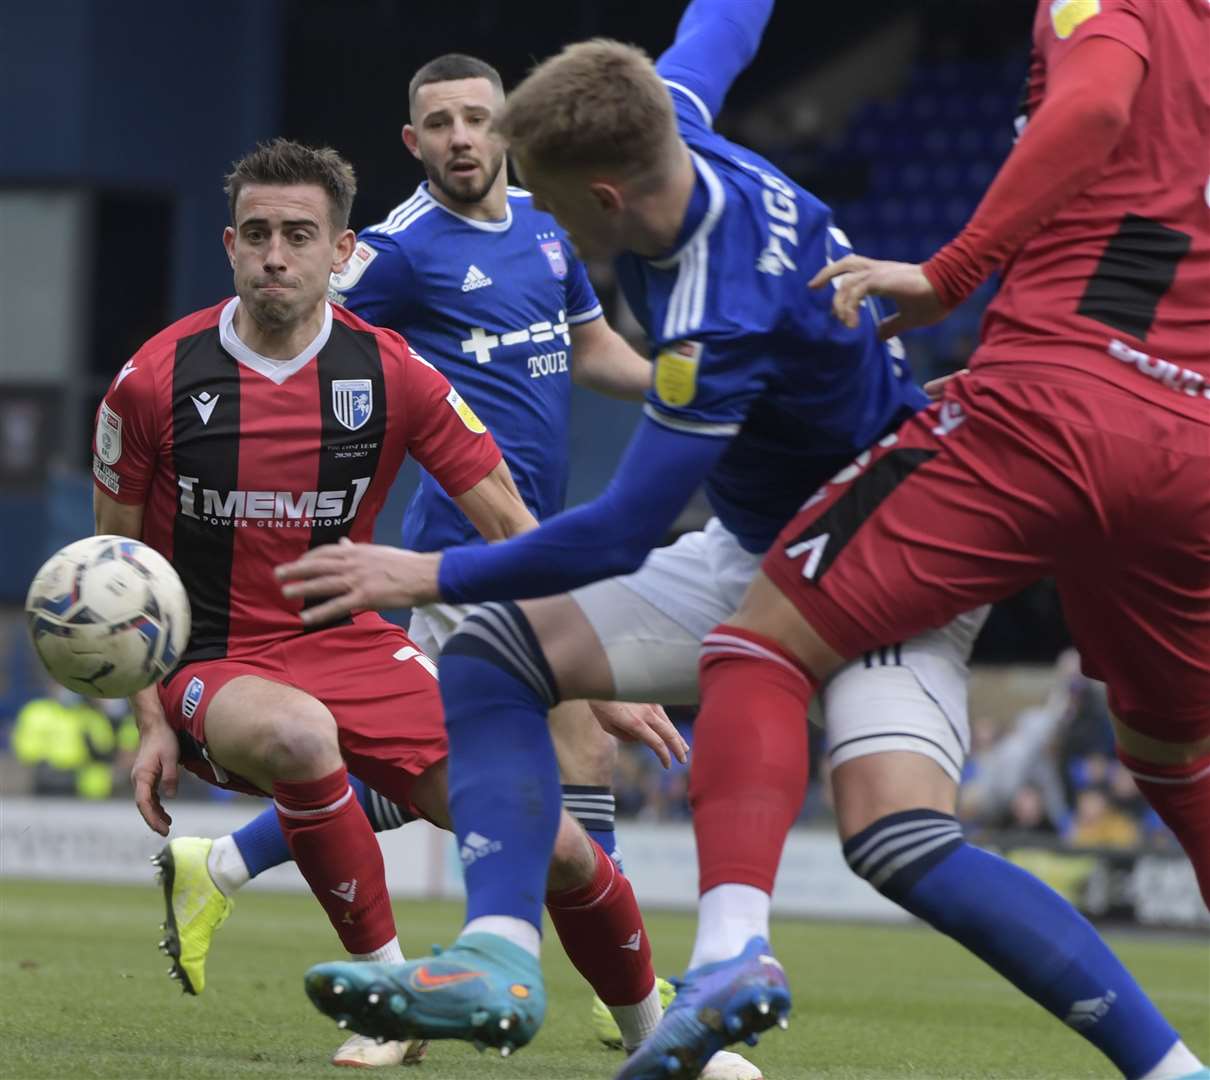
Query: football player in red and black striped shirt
point(237, 439)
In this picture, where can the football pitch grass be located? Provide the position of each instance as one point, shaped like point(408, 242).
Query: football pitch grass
point(84, 994)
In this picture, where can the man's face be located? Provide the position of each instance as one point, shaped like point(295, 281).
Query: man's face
point(451, 135)
point(591, 219)
point(283, 250)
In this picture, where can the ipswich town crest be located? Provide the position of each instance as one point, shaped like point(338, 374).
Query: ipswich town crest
point(553, 250)
point(352, 401)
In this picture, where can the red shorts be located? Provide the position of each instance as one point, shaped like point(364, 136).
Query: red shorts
point(1022, 472)
point(385, 701)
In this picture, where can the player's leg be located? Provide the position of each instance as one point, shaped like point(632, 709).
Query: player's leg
point(594, 911)
point(204, 703)
point(584, 886)
point(285, 741)
point(648, 625)
point(236, 858)
point(1180, 794)
point(1148, 637)
point(586, 754)
point(507, 665)
point(898, 733)
point(506, 806)
point(926, 525)
point(233, 860)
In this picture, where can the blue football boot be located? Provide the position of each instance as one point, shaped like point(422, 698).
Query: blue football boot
point(483, 989)
point(716, 1004)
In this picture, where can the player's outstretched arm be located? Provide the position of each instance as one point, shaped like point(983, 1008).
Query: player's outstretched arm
point(715, 41)
point(611, 535)
point(1063, 148)
point(352, 577)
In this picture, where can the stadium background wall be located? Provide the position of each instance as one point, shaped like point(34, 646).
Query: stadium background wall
point(50, 839)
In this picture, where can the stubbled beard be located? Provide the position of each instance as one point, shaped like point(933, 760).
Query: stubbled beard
point(463, 196)
point(272, 314)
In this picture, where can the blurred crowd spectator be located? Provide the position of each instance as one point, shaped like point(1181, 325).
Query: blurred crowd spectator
point(72, 745)
point(1052, 772)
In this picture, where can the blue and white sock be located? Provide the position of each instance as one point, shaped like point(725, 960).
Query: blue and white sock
point(593, 805)
point(1019, 926)
point(504, 780)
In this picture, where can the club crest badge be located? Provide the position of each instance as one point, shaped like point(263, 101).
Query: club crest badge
point(352, 402)
point(553, 250)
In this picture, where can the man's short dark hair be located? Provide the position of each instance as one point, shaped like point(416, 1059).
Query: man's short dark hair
point(449, 67)
point(281, 161)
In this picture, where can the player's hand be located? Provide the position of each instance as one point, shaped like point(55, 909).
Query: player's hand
point(642, 723)
point(352, 577)
point(857, 277)
point(154, 773)
point(935, 388)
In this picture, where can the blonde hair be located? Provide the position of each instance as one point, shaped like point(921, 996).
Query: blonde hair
point(597, 104)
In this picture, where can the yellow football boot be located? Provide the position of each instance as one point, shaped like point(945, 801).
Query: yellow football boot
point(194, 908)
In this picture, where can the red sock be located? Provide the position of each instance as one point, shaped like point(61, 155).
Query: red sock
point(748, 777)
point(336, 850)
point(603, 935)
point(1180, 794)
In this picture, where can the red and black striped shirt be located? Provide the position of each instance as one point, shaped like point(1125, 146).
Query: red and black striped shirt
point(243, 463)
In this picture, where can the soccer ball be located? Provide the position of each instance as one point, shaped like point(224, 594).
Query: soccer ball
point(108, 616)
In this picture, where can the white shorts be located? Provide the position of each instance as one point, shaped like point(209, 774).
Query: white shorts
point(910, 696)
point(434, 624)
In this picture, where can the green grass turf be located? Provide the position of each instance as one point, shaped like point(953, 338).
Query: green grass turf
point(84, 994)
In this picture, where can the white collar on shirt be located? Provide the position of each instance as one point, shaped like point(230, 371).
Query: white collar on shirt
point(277, 371)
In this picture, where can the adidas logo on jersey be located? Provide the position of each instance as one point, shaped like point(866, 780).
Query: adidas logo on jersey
point(475, 279)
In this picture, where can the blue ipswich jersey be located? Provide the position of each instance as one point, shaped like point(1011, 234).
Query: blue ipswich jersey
point(745, 351)
point(490, 304)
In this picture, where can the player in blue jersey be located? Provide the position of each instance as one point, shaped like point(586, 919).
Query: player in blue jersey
point(760, 393)
point(488, 290)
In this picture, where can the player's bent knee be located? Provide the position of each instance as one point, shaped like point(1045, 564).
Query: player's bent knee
point(574, 860)
point(299, 742)
point(498, 634)
point(890, 781)
point(894, 852)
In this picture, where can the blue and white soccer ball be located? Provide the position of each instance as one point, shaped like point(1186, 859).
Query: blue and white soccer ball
point(108, 616)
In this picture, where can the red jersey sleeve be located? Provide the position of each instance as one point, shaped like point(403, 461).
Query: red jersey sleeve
point(444, 434)
point(126, 442)
point(1062, 24)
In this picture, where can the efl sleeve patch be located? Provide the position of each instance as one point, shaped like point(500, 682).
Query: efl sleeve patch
point(109, 435)
point(465, 413)
point(357, 265)
point(1067, 15)
point(676, 372)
